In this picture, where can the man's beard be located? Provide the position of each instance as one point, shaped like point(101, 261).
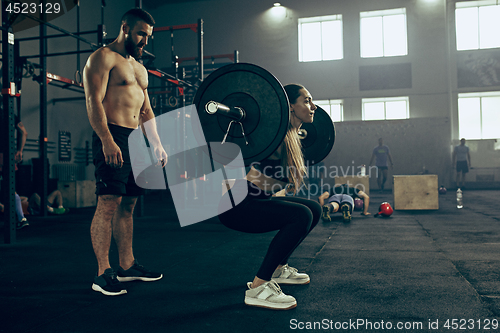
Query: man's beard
point(132, 49)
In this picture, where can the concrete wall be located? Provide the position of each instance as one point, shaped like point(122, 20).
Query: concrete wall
point(417, 146)
point(269, 38)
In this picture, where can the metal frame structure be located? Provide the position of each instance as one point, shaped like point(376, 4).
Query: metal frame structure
point(9, 92)
point(198, 29)
point(7, 138)
point(176, 76)
point(8, 135)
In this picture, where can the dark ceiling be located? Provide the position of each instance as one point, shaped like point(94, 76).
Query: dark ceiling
point(158, 3)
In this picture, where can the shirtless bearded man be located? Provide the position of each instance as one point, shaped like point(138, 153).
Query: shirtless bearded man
point(117, 103)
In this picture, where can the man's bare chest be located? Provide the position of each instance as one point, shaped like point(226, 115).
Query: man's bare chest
point(128, 74)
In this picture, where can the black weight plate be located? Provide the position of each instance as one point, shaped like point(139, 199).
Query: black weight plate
point(264, 100)
point(320, 137)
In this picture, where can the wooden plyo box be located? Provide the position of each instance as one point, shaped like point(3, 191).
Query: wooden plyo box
point(78, 193)
point(418, 192)
point(360, 182)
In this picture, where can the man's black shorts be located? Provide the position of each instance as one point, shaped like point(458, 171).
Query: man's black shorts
point(112, 180)
point(462, 166)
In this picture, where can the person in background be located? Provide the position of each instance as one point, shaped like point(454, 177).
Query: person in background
point(22, 135)
point(381, 154)
point(461, 159)
point(342, 196)
point(22, 221)
point(54, 203)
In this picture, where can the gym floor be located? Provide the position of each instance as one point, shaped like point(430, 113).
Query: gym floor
point(411, 269)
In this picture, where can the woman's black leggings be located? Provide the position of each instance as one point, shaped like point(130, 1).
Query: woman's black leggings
point(293, 217)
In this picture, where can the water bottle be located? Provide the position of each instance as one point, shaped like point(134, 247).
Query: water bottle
point(363, 170)
point(459, 199)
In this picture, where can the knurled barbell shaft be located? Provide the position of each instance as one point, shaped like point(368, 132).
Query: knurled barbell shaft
point(235, 113)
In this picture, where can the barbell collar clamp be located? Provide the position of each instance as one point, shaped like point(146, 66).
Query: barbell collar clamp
point(302, 133)
point(235, 113)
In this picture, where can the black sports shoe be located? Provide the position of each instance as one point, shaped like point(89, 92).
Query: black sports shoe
point(326, 213)
point(346, 213)
point(108, 284)
point(137, 272)
point(21, 224)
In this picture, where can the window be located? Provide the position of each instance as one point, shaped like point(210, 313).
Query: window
point(479, 115)
point(386, 108)
point(333, 108)
point(383, 33)
point(320, 38)
point(477, 24)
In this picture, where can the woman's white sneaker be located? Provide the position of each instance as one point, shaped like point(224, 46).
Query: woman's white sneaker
point(269, 295)
point(290, 275)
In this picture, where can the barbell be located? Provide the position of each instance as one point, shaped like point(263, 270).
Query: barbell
point(245, 104)
point(317, 137)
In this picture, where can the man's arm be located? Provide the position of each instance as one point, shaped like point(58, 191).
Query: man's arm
point(468, 158)
point(390, 158)
point(366, 201)
point(371, 159)
point(20, 143)
point(323, 197)
point(95, 82)
point(147, 115)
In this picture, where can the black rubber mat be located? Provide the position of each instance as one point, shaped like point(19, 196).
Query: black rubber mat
point(415, 269)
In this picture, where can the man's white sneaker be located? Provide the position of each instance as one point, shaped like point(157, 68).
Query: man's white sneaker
point(290, 275)
point(269, 295)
